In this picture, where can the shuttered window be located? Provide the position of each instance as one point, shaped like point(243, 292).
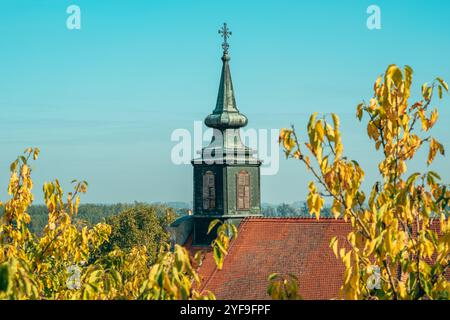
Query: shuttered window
point(209, 191)
point(243, 190)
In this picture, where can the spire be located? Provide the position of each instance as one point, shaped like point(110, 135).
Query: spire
point(226, 113)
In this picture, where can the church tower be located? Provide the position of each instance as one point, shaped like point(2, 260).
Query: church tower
point(227, 173)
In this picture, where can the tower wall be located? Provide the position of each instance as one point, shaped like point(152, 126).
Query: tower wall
point(220, 186)
point(231, 189)
point(226, 198)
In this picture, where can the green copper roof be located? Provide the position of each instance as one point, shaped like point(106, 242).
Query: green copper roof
point(226, 113)
point(226, 144)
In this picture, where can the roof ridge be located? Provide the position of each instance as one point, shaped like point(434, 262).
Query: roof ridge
point(297, 219)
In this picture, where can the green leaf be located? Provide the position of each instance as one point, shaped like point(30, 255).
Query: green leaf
point(13, 165)
point(4, 277)
point(435, 175)
point(412, 178)
point(221, 247)
point(272, 276)
point(213, 224)
point(218, 258)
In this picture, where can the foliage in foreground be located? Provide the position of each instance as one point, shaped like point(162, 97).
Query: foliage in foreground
point(401, 231)
point(283, 287)
point(225, 232)
point(65, 262)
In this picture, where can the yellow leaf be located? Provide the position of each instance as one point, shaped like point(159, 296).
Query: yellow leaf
point(319, 130)
point(443, 83)
point(394, 73)
point(433, 117)
point(435, 146)
point(359, 111)
point(336, 209)
point(308, 162)
point(334, 246)
point(329, 132)
point(347, 259)
point(335, 121)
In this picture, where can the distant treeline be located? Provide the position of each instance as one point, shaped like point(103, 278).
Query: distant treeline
point(90, 214)
point(297, 209)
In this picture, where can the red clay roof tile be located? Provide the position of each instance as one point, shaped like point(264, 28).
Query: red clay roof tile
point(284, 245)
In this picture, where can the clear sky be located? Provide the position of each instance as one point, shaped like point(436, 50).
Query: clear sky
point(101, 102)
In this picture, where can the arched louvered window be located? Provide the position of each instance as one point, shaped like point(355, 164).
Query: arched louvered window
point(243, 190)
point(209, 191)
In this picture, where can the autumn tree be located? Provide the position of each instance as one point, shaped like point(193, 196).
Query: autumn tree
point(400, 230)
point(140, 225)
point(64, 262)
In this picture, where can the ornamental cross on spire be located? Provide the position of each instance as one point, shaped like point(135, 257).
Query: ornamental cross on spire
point(225, 33)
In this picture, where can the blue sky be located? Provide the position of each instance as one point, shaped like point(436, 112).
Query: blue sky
point(101, 102)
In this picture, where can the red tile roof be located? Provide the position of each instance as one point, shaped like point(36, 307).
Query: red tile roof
point(284, 245)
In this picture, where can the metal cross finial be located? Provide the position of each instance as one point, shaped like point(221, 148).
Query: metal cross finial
point(225, 33)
